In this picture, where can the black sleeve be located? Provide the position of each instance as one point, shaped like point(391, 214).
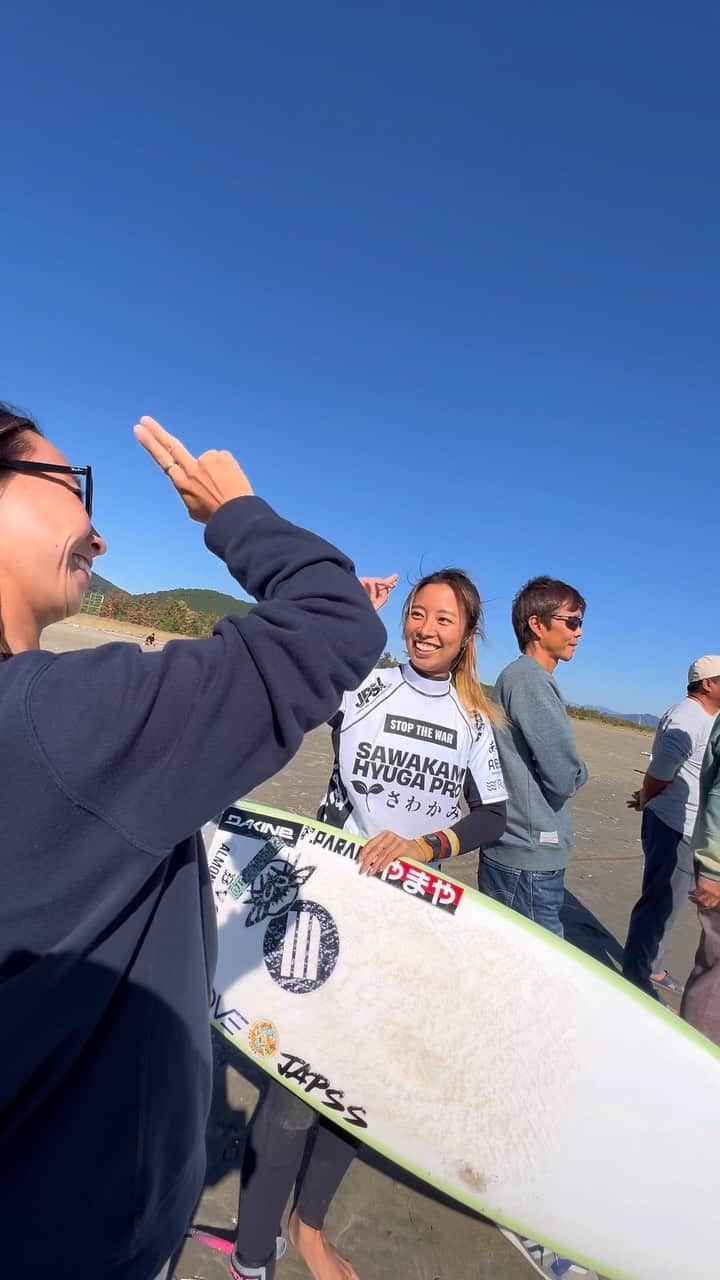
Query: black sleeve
point(158, 743)
point(335, 808)
point(484, 824)
point(480, 826)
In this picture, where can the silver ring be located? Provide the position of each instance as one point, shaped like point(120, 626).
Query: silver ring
point(169, 465)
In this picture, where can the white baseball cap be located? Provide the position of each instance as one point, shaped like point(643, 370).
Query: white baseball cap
point(704, 668)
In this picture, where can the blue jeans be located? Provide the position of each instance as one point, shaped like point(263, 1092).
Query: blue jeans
point(668, 878)
point(538, 895)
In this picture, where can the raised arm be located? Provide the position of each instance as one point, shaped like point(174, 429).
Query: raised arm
point(158, 743)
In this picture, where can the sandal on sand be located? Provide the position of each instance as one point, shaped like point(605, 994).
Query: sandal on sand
point(545, 1261)
point(240, 1272)
point(669, 984)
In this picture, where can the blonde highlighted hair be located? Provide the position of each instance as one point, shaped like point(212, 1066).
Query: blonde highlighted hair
point(464, 674)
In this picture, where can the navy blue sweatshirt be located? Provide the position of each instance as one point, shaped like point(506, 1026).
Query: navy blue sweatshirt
point(111, 761)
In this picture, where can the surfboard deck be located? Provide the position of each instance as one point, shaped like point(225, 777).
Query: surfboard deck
point(474, 1049)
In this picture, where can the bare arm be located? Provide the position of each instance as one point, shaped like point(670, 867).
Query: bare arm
point(650, 788)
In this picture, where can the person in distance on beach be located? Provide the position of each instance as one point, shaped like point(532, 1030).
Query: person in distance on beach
point(701, 1002)
point(112, 761)
point(668, 800)
point(432, 709)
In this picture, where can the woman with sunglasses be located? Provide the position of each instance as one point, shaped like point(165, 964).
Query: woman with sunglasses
point(433, 711)
point(112, 760)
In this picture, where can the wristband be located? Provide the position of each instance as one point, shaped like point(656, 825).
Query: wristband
point(425, 848)
point(441, 844)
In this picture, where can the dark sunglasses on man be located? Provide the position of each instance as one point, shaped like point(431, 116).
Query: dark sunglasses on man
point(82, 474)
point(572, 622)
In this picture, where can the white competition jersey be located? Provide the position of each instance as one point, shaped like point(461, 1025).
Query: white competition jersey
point(406, 751)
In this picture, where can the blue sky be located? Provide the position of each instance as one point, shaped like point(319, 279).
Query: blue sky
point(444, 276)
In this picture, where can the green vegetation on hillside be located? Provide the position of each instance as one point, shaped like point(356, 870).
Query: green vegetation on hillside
point(587, 713)
point(185, 611)
point(103, 585)
point(212, 603)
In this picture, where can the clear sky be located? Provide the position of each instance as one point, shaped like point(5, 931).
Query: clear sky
point(443, 275)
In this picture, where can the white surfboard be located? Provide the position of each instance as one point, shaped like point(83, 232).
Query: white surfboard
point(474, 1049)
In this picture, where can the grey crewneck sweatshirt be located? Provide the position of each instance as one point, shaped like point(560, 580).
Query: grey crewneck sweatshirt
point(541, 766)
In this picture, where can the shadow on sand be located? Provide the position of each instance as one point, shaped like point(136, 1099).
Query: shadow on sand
point(585, 931)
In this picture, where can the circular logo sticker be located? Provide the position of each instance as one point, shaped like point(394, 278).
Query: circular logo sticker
point(301, 948)
point(263, 1038)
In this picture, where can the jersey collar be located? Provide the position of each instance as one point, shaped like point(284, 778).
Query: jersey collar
point(431, 688)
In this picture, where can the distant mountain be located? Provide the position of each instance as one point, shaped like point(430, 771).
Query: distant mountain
point(642, 718)
point(213, 603)
point(98, 583)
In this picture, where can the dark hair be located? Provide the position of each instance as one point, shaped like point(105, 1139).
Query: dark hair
point(464, 675)
point(14, 445)
point(697, 685)
point(541, 597)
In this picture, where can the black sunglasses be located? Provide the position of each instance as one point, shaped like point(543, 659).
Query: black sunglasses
point(84, 475)
point(572, 623)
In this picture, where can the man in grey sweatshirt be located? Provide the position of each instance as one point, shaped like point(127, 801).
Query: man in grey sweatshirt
point(525, 870)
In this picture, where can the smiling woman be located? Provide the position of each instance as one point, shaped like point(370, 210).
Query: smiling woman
point(46, 512)
point(112, 761)
point(410, 744)
point(15, 436)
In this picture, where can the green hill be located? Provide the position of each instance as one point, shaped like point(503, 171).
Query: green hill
point(185, 611)
point(213, 603)
point(98, 583)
